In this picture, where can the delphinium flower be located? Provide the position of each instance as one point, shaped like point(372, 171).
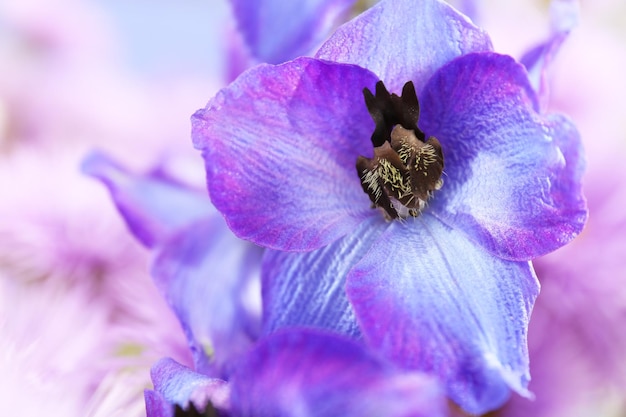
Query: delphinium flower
point(468, 181)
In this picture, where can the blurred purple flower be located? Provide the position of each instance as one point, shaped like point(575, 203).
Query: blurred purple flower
point(299, 373)
point(280, 146)
point(208, 277)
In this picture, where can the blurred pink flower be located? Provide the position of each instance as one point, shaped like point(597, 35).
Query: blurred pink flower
point(42, 358)
point(81, 322)
point(75, 294)
point(61, 349)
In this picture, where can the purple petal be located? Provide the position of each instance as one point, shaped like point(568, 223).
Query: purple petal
point(280, 146)
point(537, 62)
point(211, 280)
point(157, 405)
point(430, 299)
point(153, 207)
point(308, 373)
point(277, 31)
point(512, 176)
point(238, 57)
point(469, 8)
point(308, 289)
point(564, 14)
point(404, 40)
point(178, 384)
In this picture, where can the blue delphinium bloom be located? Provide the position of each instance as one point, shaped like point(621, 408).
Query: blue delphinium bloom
point(298, 373)
point(468, 185)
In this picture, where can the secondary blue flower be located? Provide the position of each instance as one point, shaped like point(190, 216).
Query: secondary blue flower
point(450, 290)
point(299, 373)
point(208, 276)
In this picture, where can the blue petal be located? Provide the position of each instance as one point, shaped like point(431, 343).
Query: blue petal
point(308, 373)
point(564, 16)
point(402, 40)
point(429, 299)
point(211, 280)
point(308, 289)
point(157, 405)
point(153, 207)
point(277, 30)
point(178, 384)
point(469, 8)
point(280, 146)
point(537, 62)
point(509, 182)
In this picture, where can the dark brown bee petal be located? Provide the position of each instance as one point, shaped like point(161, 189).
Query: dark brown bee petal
point(405, 170)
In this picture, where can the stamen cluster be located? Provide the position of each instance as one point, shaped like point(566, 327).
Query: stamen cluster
point(406, 168)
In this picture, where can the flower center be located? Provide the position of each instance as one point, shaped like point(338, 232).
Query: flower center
point(406, 168)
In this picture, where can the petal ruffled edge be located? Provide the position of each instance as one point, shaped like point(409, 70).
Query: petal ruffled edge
point(512, 179)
